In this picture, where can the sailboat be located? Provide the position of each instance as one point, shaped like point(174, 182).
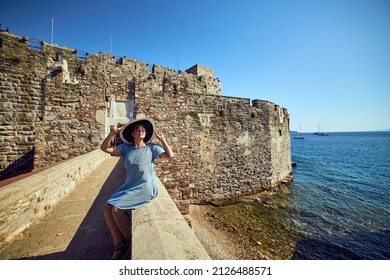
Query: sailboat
point(319, 133)
point(300, 134)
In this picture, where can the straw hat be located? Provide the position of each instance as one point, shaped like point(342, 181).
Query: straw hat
point(148, 124)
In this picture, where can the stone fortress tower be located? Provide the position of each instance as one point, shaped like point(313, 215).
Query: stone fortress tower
point(58, 103)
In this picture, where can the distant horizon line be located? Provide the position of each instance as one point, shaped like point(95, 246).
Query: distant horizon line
point(375, 130)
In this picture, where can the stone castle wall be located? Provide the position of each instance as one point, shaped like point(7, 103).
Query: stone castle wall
point(55, 106)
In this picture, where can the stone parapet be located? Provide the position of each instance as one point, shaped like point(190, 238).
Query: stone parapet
point(161, 233)
point(26, 201)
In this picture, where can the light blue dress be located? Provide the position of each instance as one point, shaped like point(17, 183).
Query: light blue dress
point(140, 186)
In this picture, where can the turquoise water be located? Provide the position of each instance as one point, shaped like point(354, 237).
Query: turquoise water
point(341, 195)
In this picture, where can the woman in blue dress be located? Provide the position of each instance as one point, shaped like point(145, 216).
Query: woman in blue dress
point(140, 186)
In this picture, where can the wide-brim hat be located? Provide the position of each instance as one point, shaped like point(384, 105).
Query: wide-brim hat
point(148, 124)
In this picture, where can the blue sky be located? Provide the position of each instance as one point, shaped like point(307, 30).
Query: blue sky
point(326, 61)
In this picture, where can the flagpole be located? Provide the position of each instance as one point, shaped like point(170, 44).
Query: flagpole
point(110, 44)
point(52, 30)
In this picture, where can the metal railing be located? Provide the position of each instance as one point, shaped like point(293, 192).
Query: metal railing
point(34, 44)
point(81, 55)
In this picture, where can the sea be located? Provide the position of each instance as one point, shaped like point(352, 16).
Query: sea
point(341, 196)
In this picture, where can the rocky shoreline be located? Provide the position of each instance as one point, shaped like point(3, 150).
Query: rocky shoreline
point(248, 230)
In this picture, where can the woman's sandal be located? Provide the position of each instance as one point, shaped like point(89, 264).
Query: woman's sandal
point(121, 248)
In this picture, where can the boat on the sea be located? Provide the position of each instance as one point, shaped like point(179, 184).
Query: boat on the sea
point(299, 136)
point(319, 133)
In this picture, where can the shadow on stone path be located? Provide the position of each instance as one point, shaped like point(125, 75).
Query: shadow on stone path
point(75, 229)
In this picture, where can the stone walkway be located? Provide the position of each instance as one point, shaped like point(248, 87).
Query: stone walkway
point(76, 228)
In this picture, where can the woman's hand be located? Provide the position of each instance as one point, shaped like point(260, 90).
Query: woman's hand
point(118, 127)
point(106, 145)
point(168, 154)
point(160, 136)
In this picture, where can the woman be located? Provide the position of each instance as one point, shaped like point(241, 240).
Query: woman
point(140, 186)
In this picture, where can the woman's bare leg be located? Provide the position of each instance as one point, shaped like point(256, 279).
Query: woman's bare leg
point(116, 233)
point(119, 223)
point(123, 221)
